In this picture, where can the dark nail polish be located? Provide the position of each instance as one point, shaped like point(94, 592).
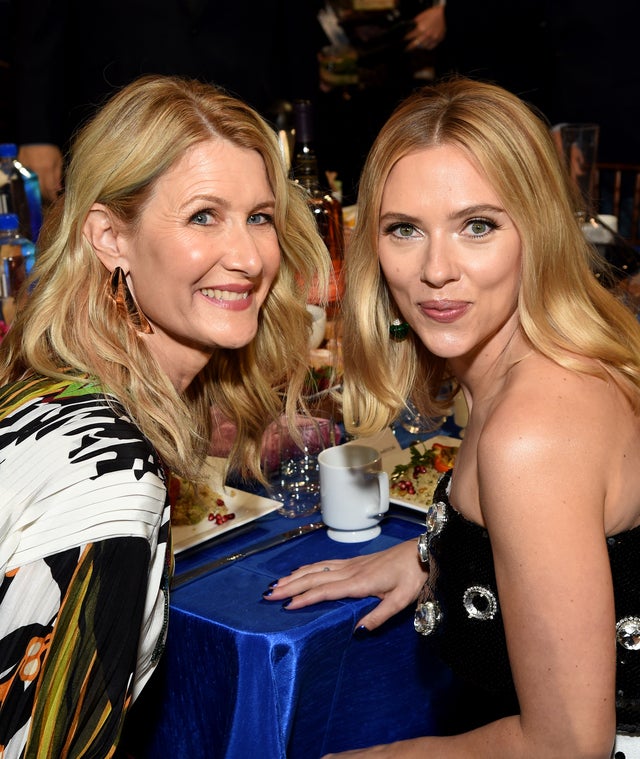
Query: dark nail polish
point(286, 603)
point(360, 632)
point(273, 584)
point(267, 593)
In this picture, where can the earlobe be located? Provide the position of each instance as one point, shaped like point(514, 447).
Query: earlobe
point(99, 229)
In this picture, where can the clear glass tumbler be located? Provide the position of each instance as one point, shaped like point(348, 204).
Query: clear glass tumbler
point(291, 462)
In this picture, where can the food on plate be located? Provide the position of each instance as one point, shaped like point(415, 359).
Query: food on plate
point(322, 373)
point(416, 481)
point(325, 367)
point(191, 503)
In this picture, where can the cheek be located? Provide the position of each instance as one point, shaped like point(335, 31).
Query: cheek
point(396, 272)
point(503, 272)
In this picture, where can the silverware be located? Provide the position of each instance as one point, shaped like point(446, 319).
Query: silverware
point(262, 545)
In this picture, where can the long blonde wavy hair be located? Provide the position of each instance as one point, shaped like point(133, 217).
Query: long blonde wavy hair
point(69, 323)
point(565, 312)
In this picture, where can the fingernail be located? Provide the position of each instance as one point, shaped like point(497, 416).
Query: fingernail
point(285, 605)
point(267, 593)
point(273, 584)
point(360, 632)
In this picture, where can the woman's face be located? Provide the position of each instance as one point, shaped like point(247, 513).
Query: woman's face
point(449, 252)
point(205, 255)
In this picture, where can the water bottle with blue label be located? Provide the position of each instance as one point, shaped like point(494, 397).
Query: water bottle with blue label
point(12, 243)
point(13, 271)
point(20, 191)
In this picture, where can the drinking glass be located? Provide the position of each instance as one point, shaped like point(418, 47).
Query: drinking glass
point(413, 421)
point(580, 150)
point(291, 462)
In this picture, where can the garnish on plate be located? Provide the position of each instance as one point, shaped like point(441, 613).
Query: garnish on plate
point(191, 503)
point(416, 480)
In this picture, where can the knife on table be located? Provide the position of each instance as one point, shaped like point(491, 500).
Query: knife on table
point(262, 545)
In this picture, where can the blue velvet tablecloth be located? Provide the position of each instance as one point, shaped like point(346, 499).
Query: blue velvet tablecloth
point(243, 678)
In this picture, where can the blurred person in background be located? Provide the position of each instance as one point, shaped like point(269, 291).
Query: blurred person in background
point(430, 26)
point(497, 41)
point(426, 40)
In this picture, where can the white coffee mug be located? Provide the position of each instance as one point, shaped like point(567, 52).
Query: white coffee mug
point(354, 492)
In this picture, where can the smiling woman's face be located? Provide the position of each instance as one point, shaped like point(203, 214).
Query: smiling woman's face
point(449, 252)
point(205, 254)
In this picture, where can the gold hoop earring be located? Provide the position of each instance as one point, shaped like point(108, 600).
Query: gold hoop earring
point(125, 303)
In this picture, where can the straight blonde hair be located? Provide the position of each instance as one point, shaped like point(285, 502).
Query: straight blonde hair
point(565, 312)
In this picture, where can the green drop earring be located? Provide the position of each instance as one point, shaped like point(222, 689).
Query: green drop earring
point(398, 330)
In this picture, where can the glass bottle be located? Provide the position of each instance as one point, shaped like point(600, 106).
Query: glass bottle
point(20, 191)
point(13, 243)
point(327, 210)
point(12, 276)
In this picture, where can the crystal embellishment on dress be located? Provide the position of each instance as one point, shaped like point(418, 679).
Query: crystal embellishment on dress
point(423, 548)
point(435, 522)
point(427, 617)
point(480, 602)
point(436, 517)
point(628, 633)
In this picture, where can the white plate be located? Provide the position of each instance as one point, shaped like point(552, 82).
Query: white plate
point(245, 506)
point(394, 458)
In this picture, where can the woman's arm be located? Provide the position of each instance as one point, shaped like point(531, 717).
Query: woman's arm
point(76, 619)
point(542, 493)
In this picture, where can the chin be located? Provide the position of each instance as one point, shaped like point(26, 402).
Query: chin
point(446, 350)
point(234, 342)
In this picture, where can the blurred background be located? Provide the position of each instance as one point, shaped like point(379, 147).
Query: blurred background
point(573, 60)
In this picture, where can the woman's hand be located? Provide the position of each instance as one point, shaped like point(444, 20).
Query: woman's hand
point(395, 576)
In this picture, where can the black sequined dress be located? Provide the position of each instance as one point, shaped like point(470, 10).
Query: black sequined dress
point(460, 612)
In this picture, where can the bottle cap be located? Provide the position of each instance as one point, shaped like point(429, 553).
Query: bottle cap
point(8, 150)
point(9, 222)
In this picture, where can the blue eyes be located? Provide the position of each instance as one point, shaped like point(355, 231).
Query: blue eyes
point(260, 218)
point(204, 218)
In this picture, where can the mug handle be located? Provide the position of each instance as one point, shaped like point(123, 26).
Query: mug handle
point(383, 487)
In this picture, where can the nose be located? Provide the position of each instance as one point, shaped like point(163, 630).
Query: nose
point(438, 263)
point(242, 251)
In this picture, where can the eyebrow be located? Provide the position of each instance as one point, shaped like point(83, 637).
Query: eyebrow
point(215, 200)
point(463, 213)
point(477, 209)
point(265, 204)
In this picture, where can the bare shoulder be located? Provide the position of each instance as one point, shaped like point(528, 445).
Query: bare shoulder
point(548, 405)
point(562, 426)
